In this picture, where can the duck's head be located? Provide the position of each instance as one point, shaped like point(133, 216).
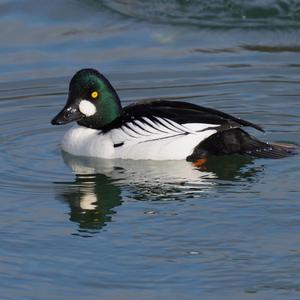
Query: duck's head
point(92, 101)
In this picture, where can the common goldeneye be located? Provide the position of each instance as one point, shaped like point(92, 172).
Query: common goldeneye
point(158, 130)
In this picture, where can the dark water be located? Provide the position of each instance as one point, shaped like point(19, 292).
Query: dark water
point(94, 229)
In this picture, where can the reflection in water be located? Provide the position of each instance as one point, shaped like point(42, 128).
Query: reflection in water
point(99, 182)
point(91, 199)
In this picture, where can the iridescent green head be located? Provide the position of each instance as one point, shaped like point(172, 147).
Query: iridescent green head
point(92, 101)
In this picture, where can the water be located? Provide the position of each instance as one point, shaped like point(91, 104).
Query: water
point(94, 229)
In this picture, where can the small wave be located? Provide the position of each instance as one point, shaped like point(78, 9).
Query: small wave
point(215, 13)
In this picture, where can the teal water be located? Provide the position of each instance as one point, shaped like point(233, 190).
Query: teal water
point(75, 228)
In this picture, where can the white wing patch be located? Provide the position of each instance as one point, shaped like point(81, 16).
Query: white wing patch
point(169, 140)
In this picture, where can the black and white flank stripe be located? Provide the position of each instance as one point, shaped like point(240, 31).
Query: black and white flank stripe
point(173, 128)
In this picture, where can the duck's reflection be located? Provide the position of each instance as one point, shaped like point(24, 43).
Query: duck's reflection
point(99, 182)
point(91, 199)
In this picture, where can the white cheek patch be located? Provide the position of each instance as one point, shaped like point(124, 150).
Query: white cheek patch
point(87, 108)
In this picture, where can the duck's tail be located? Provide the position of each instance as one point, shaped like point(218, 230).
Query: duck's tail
point(271, 150)
point(237, 141)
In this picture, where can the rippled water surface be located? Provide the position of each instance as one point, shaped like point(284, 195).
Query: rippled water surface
point(79, 228)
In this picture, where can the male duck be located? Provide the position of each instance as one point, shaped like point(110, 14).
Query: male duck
point(158, 130)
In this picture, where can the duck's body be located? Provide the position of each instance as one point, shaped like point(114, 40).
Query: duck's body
point(91, 142)
point(157, 130)
point(139, 134)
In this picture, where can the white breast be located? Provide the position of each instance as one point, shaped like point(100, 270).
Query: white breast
point(84, 141)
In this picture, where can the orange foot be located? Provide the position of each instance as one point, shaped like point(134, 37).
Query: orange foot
point(199, 162)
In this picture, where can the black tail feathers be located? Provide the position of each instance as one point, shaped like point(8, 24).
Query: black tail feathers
point(237, 141)
point(272, 150)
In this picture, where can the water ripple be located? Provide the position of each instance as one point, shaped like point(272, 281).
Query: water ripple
point(217, 13)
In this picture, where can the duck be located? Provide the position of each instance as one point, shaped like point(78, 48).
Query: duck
point(156, 129)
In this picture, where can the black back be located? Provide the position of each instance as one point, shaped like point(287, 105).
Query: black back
point(179, 112)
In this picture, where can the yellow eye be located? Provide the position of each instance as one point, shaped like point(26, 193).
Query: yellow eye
point(94, 94)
